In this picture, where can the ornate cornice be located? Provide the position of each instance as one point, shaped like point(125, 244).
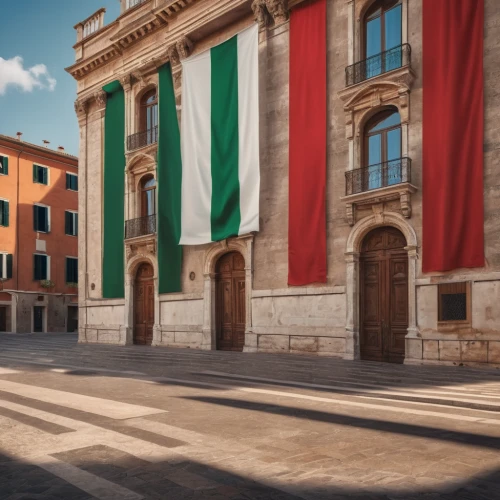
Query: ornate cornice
point(266, 10)
point(184, 47)
point(101, 97)
point(81, 107)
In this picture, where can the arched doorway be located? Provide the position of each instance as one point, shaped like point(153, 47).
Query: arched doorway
point(230, 302)
point(383, 295)
point(144, 314)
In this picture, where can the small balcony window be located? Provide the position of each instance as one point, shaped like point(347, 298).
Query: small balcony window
point(148, 122)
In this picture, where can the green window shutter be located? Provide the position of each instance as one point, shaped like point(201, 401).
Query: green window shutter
point(76, 225)
point(35, 172)
point(6, 165)
point(6, 213)
point(68, 277)
point(68, 181)
point(75, 182)
point(9, 266)
point(43, 260)
point(36, 268)
point(1, 212)
point(35, 217)
point(46, 215)
point(1, 265)
point(45, 175)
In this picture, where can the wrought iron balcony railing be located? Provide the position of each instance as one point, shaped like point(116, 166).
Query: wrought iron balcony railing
point(394, 58)
point(377, 176)
point(142, 139)
point(140, 227)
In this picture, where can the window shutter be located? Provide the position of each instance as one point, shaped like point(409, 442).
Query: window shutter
point(1, 265)
point(35, 217)
point(9, 266)
point(76, 225)
point(68, 181)
point(67, 223)
point(6, 165)
point(75, 182)
point(6, 213)
point(68, 277)
point(46, 214)
point(36, 268)
point(45, 175)
point(43, 260)
point(35, 171)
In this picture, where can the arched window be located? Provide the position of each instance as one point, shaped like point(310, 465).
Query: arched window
point(383, 37)
point(382, 149)
point(148, 196)
point(149, 116)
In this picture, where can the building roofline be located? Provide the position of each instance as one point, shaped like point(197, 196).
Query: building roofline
point(20, 145)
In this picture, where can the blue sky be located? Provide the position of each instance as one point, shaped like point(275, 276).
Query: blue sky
point(41, 33)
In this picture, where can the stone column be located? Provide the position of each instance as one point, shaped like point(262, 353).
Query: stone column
point(352, 306)
point(208, 341)
point(81, 110)
point(126, 331)
point(413, 338)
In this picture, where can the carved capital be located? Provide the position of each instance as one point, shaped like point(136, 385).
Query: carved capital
point(81, 107)
point(260, 13)
point(278, 10)
point(126, 81)
point(173, 54)
point(101, 97)
point(184, 47)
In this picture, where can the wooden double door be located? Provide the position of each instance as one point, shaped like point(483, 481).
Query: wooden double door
point(144, 305)
point(230, 302)
point(383, 296)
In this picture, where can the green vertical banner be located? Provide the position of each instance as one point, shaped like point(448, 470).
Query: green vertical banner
point(169, 182)
point(113, 261)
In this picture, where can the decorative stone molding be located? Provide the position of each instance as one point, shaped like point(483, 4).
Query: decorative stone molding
point(278, 10)
point(378, 197)
point(173, 54)
point(184, 47)
point(126, 81)
point(101, 97)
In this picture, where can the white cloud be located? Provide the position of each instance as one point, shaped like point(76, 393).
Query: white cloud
point(13, 73)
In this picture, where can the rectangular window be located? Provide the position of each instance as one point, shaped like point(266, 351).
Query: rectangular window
point(454, 302)
point(71, 223)
point(41, 267)
point(71, 270)
point(41, 218)
point(71, 182)
point(5, 266)
point(4, 165)
point(40, 174)
point(4, 213)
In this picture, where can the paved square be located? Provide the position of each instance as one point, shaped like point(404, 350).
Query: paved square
point(120, 423)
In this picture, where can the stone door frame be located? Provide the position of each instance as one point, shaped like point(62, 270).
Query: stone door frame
point(352, 254)
point(243, 245)
point(133, 265)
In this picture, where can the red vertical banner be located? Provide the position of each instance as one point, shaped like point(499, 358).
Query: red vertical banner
point(453, 131)
point(307, 147)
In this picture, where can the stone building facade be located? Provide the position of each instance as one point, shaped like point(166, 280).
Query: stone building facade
point(445, 318)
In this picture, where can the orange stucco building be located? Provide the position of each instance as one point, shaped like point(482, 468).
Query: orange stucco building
point(38, 238)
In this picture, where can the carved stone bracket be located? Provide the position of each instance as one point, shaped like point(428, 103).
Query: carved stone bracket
point(81, 107)
point(173, 54)
point(260, 13)
point(184, 47)
point(350, 209)
point(101, 97)
point(126, 81)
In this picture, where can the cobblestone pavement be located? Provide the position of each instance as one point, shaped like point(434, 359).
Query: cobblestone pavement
point(126, 423)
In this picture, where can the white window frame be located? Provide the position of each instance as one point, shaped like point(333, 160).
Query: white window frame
point(48, 263)
point(67, 189)
point(48, 173)
point(48, 217)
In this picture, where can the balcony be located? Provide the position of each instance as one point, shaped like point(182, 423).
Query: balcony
point(142, 226)
point(379, 64)
point(379, 184)
point(378, 176)
point(142, 139)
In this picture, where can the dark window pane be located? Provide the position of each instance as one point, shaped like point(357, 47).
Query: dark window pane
point(453, 307)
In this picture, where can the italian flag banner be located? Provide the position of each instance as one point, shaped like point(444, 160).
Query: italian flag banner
point(220, 141)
